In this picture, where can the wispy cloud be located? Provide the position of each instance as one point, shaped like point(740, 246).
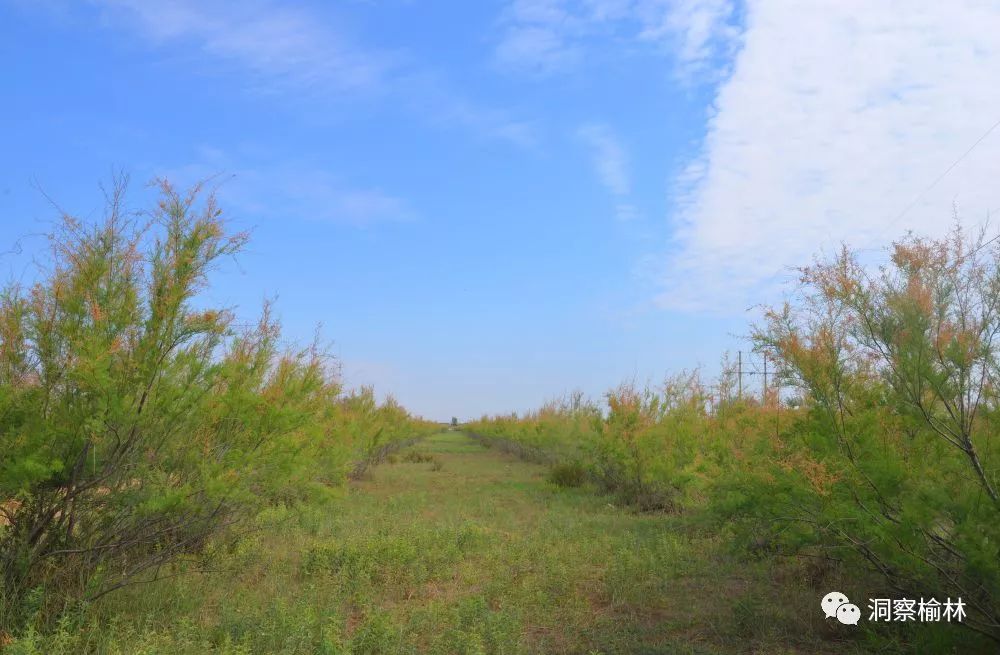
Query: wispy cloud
point(277, 42)
point(540, 35)
point(539, 48)
point(440, 104)
point(611, 165)
point(609, 158)
point(837, 115)
point(287, 49)
point(290, 191)
point(700, 32)
point(322, 196)
point(549, 36)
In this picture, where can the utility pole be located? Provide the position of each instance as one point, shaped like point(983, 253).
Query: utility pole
point(739, 372)
point(764, 398)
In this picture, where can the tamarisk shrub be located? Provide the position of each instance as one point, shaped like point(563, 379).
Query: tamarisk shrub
point(135, 423)
point(896, 461)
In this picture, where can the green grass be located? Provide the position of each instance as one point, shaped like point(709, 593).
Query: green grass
point(472, 552)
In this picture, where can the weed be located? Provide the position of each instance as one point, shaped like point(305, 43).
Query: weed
point(568, 474)
point(417, 457)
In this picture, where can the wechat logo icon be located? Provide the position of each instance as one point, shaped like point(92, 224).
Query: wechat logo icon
point(836, 604)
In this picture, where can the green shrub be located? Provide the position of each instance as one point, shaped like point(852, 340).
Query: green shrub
point(136, 423)
point(568, 474)
point(895, 463)
point(417, 457)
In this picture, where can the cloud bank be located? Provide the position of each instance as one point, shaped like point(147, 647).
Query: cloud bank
point(836, 118)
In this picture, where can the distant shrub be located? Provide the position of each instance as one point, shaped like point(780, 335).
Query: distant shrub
point(568, 474)
point(417, 457)
point(645, 448)
point(422, 457)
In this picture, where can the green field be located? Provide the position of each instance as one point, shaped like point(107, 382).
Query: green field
point(467, 551)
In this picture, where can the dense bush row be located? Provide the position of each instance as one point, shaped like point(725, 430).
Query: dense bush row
point(137, 424)
point(660, 449)
point(888, 461)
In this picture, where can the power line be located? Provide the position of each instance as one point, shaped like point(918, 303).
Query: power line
point(940, 177)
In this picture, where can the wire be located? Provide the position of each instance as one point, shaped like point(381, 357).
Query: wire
point(940, 177)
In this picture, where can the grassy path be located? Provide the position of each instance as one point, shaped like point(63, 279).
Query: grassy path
point(484, 555)
point(453, 548)
point(477, 552)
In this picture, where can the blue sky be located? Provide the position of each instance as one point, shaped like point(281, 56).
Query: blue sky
point(489, 204)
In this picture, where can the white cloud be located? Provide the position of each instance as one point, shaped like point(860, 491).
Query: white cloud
point(324, 198)
point(540, 48)
point(610, 161)
point(290, 191)
point(279, 43)
point(837, 115)
point(285, 48)
point(314, 195)
point(698, 31)
point(547, 36)
point(612, 167)
point(440, 104)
